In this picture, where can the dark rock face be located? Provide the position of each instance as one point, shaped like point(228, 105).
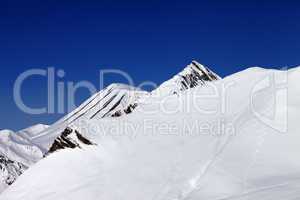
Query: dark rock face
point(83, 139)
point(62, 141)
point(68, 139)
point(130, 108)
point(127, 110)
point(10, 170)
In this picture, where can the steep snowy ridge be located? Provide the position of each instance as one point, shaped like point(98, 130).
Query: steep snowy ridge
point(112, 101)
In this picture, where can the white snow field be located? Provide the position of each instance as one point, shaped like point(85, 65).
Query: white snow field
point(236, 138)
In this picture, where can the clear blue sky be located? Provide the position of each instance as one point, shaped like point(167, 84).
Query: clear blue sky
point(151, 40)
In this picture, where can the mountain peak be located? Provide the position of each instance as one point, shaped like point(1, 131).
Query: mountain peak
point(191, 76)
point(212, 76)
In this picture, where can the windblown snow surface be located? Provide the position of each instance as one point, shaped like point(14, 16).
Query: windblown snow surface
point(236, 138)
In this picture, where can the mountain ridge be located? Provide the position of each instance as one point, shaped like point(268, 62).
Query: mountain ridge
point(113, 101)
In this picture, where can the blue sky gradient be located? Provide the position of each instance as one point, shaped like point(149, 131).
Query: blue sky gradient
point(150, 40)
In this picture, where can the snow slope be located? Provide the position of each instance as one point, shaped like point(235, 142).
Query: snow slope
point(235, 139)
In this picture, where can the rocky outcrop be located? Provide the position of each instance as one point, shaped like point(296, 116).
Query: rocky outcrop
point(69, 138)
point(10, 170)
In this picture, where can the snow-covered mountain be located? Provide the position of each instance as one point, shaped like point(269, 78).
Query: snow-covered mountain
point(235, 139)
point(30, 145)
point(17, 153)
point(192, 138)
